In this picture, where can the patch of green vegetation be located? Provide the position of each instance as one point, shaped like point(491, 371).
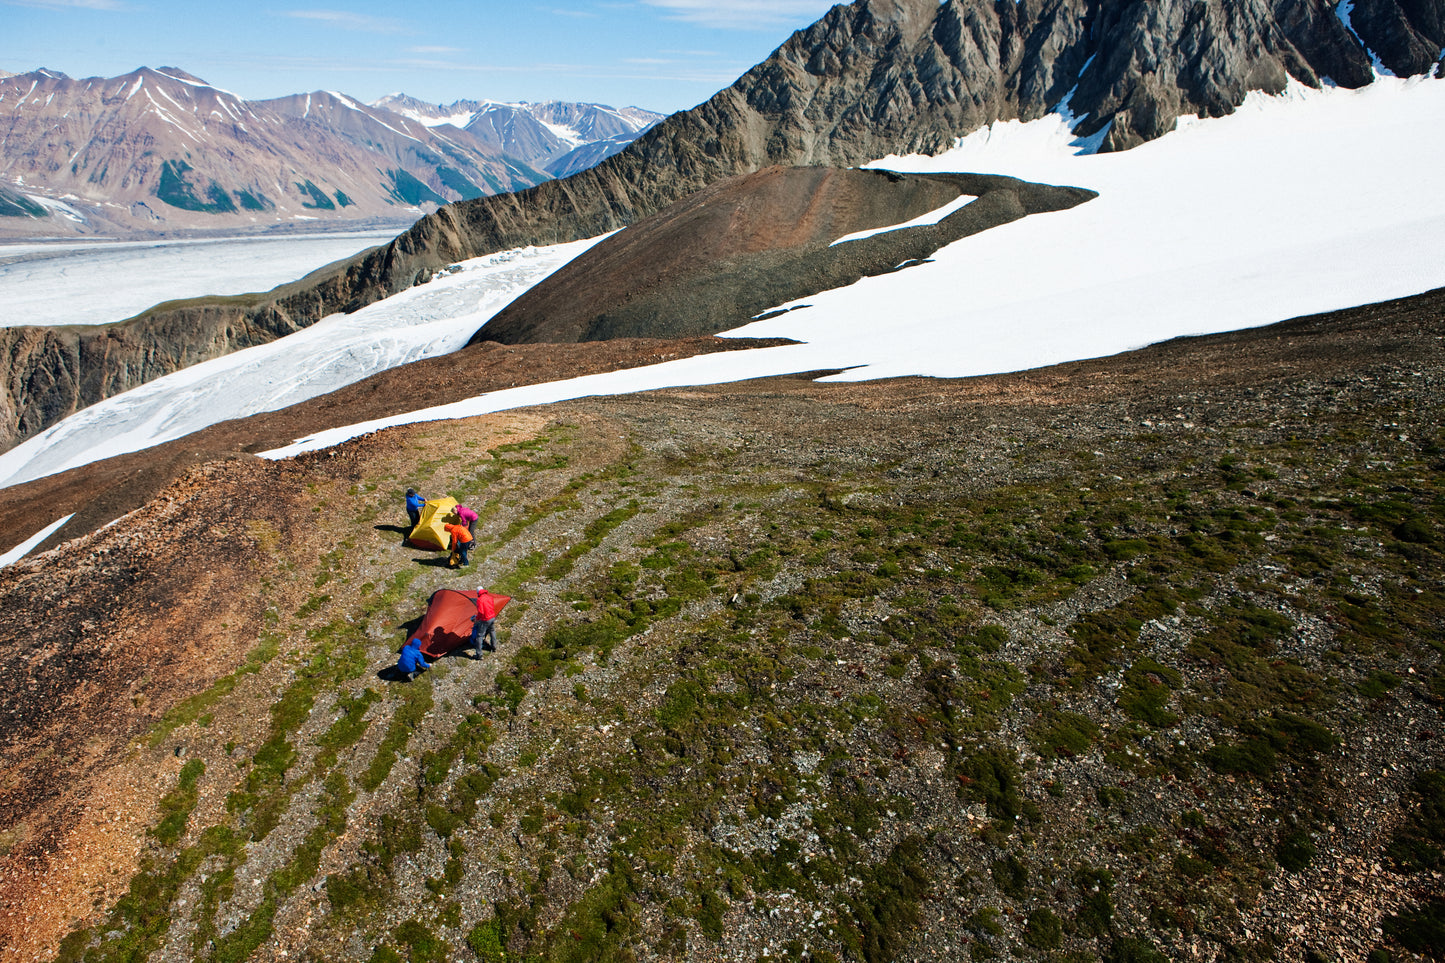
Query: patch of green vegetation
point(1419, 929)
point(311, 606)
point(174, 189)
point(885, 909)
point(319, 200)
point(1044, 930)
point(1260, 744)
point(1130, 949)
point(18, 205)
point(992, 776)
point(253, 202)
point(349, 726)
point(415, 701)
point(1011, 876)
point(1418, 844)
point(1061, 733)
point(458, 182)
point(1377, 682)
point(445, 818)
point(485, 939)
point(592, 536)
point(423, 946)
point(1294, 851)
point(562, 644)
point(197, 705)
point(176, 805)
point(406, 189)
point(1102, 638)
point(1095, 914)
point(1147, 687)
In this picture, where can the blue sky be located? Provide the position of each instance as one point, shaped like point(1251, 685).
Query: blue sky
point(664, 55)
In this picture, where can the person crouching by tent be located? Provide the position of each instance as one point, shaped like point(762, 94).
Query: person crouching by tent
point(414, 502)
point(484, 623)
point(460, 545)
point(468, 518)
point(412, 663)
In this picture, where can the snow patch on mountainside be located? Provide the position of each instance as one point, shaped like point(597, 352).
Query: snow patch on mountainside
point(932, 217)
point(433, 319)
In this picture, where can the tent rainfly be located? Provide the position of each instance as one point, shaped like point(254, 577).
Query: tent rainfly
point(429, 532)
point(447, 624)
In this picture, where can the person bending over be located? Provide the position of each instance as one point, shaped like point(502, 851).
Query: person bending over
point(412, 663)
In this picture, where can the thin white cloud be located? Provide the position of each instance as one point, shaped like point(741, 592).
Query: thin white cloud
point(742, 14)
point(434, 50)
point(67, 4)
point(346, 20)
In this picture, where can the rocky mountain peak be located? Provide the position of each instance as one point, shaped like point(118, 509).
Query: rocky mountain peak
point(560, 137)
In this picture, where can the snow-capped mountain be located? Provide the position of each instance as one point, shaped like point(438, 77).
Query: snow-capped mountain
point(163, 149)
point(557, 136)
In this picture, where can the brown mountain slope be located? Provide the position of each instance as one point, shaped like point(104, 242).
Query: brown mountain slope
point(160, 151)
point(727, 253)
point(256, 572)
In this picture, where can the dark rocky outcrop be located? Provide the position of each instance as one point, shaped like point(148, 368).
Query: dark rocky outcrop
point(869, 79)
point(727, 253)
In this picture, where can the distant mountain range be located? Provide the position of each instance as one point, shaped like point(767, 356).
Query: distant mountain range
point(161, 150)
point(558, 137)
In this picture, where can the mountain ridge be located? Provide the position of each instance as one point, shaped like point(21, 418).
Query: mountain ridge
point(559, 137)
point(870, 79)
point(159, 149)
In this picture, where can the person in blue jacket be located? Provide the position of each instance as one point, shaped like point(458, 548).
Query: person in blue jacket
point(414, 502)
point(412, 662)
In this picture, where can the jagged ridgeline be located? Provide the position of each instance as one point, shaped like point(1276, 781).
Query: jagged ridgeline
point(868, 79)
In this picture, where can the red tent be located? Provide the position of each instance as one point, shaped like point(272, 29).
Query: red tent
point(447, 624)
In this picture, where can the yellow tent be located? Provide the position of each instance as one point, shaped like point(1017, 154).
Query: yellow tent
point(429, 532)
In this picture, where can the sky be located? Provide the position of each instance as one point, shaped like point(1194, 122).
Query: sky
point(1307, 202)
point(662, 55)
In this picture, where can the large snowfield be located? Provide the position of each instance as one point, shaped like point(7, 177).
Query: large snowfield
point(101, 282)
point(1306, 202)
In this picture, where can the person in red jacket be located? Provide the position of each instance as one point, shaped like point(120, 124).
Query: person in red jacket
point(484, 624)
point(461, 542)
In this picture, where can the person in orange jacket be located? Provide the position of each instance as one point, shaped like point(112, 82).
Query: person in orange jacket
point(461, 542)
